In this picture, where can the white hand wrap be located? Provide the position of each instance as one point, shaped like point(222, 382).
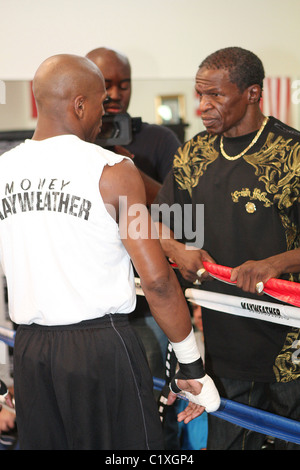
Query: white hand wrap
point(209, 396)
point(187, 350)
point(191, 367)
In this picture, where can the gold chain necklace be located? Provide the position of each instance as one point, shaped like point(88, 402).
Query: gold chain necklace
point(255, 139)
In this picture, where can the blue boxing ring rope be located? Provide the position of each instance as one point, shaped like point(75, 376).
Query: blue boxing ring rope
point(253, 419)
point(236, 413)
point(7, 336)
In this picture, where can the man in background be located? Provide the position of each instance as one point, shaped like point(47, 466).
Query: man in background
point(152, 146)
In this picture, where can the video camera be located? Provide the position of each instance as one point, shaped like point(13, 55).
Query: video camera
point(117, 129)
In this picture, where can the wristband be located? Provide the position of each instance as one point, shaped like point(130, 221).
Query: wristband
point(194, 370)
point(187, 350)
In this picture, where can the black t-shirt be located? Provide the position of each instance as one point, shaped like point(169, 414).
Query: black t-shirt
point(153, 147)
point(251, 211)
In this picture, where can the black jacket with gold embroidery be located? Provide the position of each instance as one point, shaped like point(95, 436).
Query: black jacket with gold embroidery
point(251, 211)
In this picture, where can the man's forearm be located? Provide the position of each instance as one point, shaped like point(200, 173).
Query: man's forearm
point(166, 237)
point(168, 306)
point(288, 262)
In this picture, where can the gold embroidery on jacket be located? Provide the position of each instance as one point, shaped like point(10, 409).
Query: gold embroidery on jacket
point(192, 160)
point(277, 165)
point(286, 368)
point(257, 194)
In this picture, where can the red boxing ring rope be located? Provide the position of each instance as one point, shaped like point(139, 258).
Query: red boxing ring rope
point(286, 291)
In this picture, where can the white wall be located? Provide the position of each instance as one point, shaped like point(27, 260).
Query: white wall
point(15, 114)
point(145, 91)
point(163, 38)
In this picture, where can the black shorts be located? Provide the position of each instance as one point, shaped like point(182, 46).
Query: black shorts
point(84, 386)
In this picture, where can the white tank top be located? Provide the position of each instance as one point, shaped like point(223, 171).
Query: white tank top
point(60, 249)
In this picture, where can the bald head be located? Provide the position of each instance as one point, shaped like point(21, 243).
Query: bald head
point(116, 70)
point(62, 77)
point(103, 55)
point(68, 89)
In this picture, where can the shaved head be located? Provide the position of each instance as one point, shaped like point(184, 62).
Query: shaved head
point(62, 77)
point(66, 87)
point(103, 54)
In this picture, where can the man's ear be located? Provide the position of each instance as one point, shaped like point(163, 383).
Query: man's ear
point(254, 94)
point(79, 105)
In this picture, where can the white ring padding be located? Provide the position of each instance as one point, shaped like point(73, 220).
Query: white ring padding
point(258, 309)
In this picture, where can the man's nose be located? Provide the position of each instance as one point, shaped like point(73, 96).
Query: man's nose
point(205, 103)
point(114, 93)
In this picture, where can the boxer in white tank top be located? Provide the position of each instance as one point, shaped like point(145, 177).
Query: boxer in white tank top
point(81, 378)
point(60, 223)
